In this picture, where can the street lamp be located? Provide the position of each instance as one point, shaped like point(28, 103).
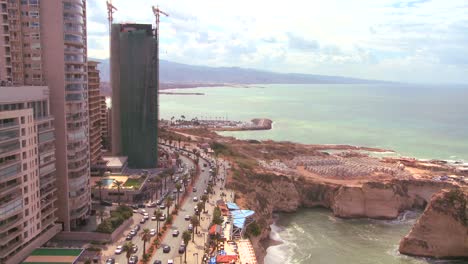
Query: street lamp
point(196, 257)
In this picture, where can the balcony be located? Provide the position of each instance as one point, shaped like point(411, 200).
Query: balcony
point(10, 172)
point(9, 124)
point(48, 221)
point(10, 208)
point(10, 188)
point(83, 79)
point(48, 190)
point(5, 251)
point(6, 237)
point(47, 169)
point(10, 223)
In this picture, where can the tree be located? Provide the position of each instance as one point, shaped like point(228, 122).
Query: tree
point(101, 214)
point(186, 236)
point(168, 204)
point(146, 237)
point(178, 186)
point(158, 214)
point(200, 207)
point(195, 223)
point(217, 218)
point(119, 185)
point(204, 199)
point(99, 185)
point(128, 249)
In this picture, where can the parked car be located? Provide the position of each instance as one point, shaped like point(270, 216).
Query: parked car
point(162, 206)
point(135, 249)
point(194, 189)
point(128, 238)
point(159, 202)
point(110, 261)
point(137, 228)
point(187, 217)
point(181, 249)
point(190, 227)
point(166, 249)
point(133, 232)
point(175, 233)
point(118, 250)
point(170, 261)
point(133, 259)
point(146, 217)
point(195, 199)
point(153, 218)
point(162, 217)
point(152, 232)
point(142, 221)
point(142, 211)
point(157, 262)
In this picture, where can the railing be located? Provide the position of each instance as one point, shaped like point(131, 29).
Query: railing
point(13, 206)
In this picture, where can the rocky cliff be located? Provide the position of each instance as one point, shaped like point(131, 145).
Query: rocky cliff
point(381, 200)
point(442, 230)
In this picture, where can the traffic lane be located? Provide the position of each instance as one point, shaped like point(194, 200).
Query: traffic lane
point(179, 222)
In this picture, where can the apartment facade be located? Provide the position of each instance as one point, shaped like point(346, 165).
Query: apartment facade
point(43, 42)
point(134, 94)
point(105, 123)
point(28, 190)
point(95, 117)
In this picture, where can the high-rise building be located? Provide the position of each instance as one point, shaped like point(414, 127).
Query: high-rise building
point(134, 94)
point(44, 43)
point(28, 191)
point(94, 104)
point(105, 123)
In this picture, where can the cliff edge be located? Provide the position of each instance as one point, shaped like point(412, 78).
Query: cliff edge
point(442, 230)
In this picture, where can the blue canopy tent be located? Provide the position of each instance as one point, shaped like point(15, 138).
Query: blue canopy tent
point(232, 206)
point(241, 219)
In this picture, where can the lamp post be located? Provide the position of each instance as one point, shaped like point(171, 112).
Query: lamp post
point(196, 257)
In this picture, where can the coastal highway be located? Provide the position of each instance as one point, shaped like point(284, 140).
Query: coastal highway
point(179, 222)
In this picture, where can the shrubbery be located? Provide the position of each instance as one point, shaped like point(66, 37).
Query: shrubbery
point(117, 218)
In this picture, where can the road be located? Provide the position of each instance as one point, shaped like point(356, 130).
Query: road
point(179, 222)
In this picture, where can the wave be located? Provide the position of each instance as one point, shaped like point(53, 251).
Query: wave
point(280, 253)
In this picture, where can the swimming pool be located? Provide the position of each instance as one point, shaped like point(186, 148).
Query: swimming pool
point(107, 182)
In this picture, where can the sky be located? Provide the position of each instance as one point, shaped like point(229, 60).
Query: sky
point(420, 41)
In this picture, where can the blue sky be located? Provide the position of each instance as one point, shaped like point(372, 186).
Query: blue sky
point(400, 40)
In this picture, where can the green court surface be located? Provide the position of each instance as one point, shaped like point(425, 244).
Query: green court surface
point(53, 255)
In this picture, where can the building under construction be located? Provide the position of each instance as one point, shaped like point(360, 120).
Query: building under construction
point(134, 94)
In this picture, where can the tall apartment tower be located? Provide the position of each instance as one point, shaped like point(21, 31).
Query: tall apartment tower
point(105, 116)
point(134, 94)
point(94, 103)
point(28, 191)
point(43, 42)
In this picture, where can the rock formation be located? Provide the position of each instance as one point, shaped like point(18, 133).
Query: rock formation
point(442, 230)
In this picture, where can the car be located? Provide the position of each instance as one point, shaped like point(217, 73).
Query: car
point(106, 203)
point(162, 207)
point(135, 249)
point(205, 191)
point(195, 199)
point(159, 202)
point(133, 233)
point(187, 217)
point(134, 206)
point(194, 189)
point(146, 217)
point(151, 205)
point(166, 249)
point(175, 233)
point(181, 249)
point(162, 217)
point(153, 218)
point(141, 206)
point(137, 228)
point(135, 211)
point(142, 221)
point(173, 196)
point(157, 262)
point(170, 261)
point(152, 232)
point(128, 238)
point(174, 191)
point(110, 261)
point(118, 250)
point(190, 227)
point(142, 211)
point(133, 259)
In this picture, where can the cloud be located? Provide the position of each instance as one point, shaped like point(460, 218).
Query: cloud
point(300, 43)
point(399, 40)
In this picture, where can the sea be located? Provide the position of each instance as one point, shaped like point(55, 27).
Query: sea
point(422, 121)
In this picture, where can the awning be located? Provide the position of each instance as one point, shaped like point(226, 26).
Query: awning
point(232, 206)
point(215, 229)
point(239, 217)
point(226, 258)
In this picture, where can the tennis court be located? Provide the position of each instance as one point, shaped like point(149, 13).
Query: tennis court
point(54, 255)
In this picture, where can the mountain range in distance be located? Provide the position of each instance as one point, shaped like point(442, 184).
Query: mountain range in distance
point(179, 75)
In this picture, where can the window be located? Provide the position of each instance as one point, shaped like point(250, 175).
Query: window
point(34, 25)
point(22, 120)
point(36, 46)
point(35, 36)
point(34, 14)
point(23, 143)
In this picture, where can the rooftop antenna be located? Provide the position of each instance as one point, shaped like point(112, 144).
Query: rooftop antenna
point(157, 14)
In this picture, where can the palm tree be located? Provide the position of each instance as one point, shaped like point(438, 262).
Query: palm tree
point(178, 186)
point(101, 214)
point(200, 207)
point(146, 237)
point(158, 214)
point(119, 185)
point(157, 182)
point(204, 199)
point(168, 204)
point(128, 249)
point(99, 185)
point(195, 222)
point(186, 237)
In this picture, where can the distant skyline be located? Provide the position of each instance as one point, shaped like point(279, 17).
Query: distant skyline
point(420, 41)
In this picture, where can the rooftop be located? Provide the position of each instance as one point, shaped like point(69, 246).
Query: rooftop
point(115, 162)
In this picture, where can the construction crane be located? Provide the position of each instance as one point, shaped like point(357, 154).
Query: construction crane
point(110, 11)
point(157, 14)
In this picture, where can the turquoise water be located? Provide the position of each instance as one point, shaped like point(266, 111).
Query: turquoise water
point(419, 121)
point(107, 182)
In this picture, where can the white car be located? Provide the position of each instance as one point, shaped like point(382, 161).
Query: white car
point(152, 232)
point(142, 211)
point(170, 261)
point(195, 199)
point(118, 250)
point(153, 218)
